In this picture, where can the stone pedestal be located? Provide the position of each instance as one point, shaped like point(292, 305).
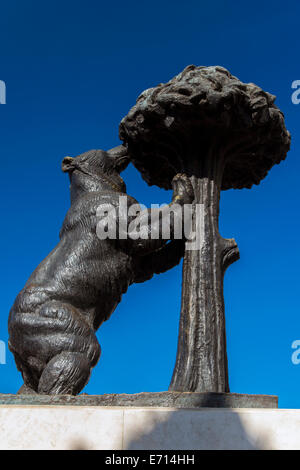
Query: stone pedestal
point(147, 421)
point(117, 428)
point(149, 399)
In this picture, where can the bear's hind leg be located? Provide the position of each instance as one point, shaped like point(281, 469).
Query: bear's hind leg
point(66, 374)
point(26, 390)
point(55, 348)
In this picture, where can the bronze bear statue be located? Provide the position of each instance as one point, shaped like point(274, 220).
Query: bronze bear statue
point(78, 285)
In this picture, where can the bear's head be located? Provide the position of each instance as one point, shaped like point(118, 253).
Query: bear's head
point(97, 169)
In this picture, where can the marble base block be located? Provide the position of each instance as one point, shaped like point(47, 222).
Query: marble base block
point(67, 427)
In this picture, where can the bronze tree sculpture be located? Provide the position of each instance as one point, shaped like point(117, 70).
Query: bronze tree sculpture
point(77, 287)
point(223, 134)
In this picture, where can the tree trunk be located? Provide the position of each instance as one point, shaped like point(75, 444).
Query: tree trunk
point(201, 363)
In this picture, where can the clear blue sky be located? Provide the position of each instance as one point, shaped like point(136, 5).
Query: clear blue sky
point(73, 69)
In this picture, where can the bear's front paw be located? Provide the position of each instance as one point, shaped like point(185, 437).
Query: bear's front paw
point(183, 191)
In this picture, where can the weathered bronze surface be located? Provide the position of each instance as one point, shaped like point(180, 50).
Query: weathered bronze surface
point(223, 134)
point(158, 399)
point(200, 133)
point(77, 287)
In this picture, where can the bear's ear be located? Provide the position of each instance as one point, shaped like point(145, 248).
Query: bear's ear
point(67, 164)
